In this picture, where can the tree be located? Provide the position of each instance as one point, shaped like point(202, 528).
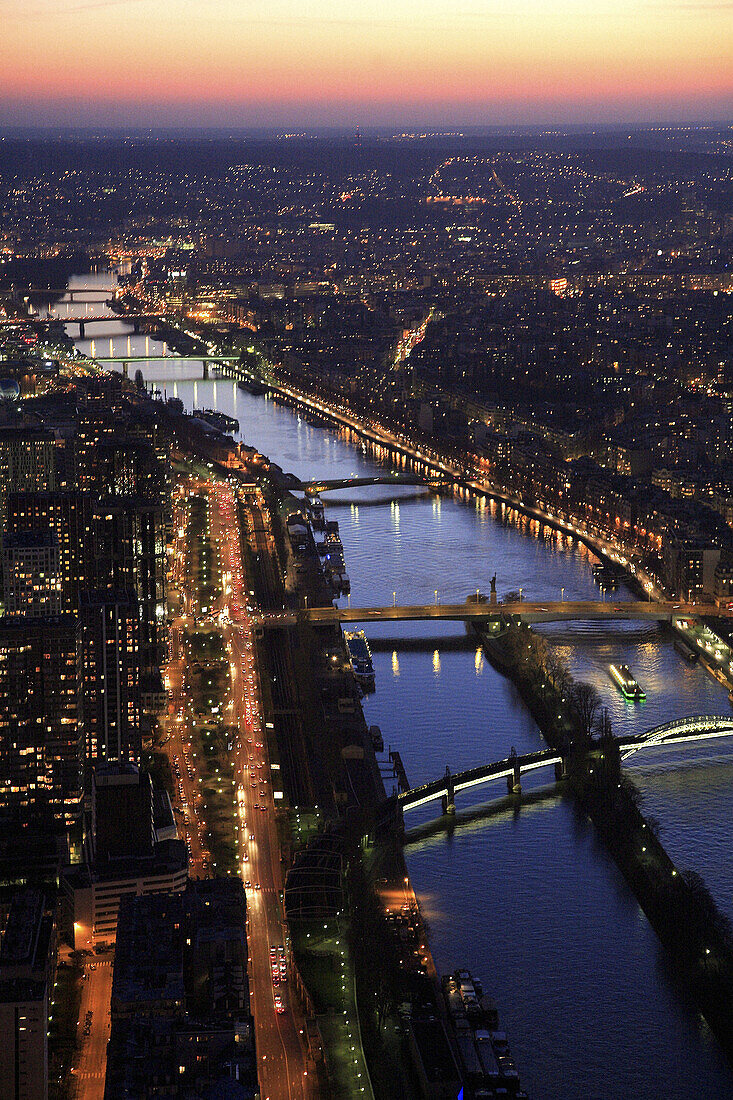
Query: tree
point(557, 672)
point(703, 915)
point(535, 657)
point(515, 644)
point(585, 704)
point(385, 999)
point(603, 727)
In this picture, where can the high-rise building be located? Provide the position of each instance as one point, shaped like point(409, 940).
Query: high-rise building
point(122, 813)
point(110, 627)
point(125, 468)
point(31, 574)
point(41, 731)
point(94, 427)
point(128, 537)
point(27, 959)
point(132, 849)
point(31, 460)
point(180, 995)
point(110, 517)
point(66, 513)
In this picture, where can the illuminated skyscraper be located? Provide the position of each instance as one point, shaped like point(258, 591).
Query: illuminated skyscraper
point(31, 578)
point(110, 626)
point(41, 735)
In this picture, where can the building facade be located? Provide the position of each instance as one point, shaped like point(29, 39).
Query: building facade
point(41, 728)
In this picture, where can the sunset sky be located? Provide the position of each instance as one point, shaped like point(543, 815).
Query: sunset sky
point(296, 63)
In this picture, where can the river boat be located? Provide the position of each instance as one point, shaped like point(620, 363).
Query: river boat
point(361, 658)
point(333, 543)
point(297, 527)
point(251, 385)
point(483, 1049)
point(377, 740)
point(685, 650)
point(317, 514)
point(606, 576)
point(217, 419)
point(622, 677)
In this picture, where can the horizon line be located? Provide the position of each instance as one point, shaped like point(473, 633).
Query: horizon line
point(376, 130)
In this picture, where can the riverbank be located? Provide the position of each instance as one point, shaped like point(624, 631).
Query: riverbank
point(633, 574)
point(677, 904)
point(388, 951)
point(558, 730)
point(602, 547)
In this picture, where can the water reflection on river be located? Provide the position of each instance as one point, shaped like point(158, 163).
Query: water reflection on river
point(527, 900)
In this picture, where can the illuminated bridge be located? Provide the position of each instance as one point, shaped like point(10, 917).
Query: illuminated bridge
point(445, 789)
point(329, 485)
point(701, 727)
point(206, 361)
point(82, 320)
point(68, 293)
point(229, 364)
point(526, 610)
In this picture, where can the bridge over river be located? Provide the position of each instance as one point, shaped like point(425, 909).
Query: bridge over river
point(685, 731)
point(328, 485)
point(82, 320)
point(527, 611)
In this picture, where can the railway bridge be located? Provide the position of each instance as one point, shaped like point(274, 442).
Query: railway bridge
point(685, 731)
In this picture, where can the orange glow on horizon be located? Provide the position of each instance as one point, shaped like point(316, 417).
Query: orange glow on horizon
point(532, 57)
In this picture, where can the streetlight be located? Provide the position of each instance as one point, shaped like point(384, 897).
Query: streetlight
point(436, 597)
point(394, 599)
point(562, 595)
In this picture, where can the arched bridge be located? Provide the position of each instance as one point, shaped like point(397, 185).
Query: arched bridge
point(701, 727)
point(72, 294)
point(85, 318)
point(329, 485)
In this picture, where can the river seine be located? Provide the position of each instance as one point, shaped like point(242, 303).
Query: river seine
point(525, 898)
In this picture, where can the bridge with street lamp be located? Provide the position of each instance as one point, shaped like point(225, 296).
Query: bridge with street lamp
point(443, 791)
point(327, 485)
point(33, 321)
point(481, 613)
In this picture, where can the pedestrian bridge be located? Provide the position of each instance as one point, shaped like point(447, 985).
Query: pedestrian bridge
point(701, 727)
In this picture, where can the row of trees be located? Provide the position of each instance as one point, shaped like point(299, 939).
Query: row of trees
point(679, 904)
point(549, 679)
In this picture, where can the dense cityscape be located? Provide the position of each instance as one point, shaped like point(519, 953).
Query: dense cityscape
point(237, 859)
